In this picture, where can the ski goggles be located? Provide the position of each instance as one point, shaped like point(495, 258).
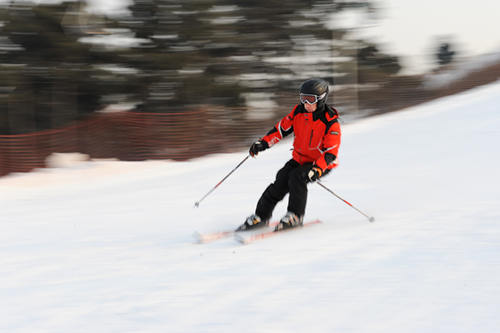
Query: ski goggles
point(310, 98)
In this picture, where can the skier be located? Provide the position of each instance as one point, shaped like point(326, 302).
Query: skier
point(315, 147)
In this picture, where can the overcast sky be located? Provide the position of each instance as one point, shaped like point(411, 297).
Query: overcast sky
point(412, 28)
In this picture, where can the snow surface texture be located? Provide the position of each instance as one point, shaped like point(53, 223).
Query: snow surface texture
point(106, 246)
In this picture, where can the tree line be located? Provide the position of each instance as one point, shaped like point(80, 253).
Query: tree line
point(60, 63)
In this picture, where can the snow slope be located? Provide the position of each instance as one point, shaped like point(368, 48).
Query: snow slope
point(107, 246)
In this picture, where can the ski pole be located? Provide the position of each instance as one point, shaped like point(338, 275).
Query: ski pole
point(197, 203)
point(370, 218)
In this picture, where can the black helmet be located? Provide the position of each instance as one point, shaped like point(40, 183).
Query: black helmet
point(316, 87)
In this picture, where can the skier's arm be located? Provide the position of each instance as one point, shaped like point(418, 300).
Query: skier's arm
point(282, 129)
point(330, 149)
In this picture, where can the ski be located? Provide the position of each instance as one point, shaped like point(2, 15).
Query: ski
point(209, 237)
point(270, 233)
point(202, 238)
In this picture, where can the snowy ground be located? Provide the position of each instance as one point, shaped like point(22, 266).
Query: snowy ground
point(107, 246)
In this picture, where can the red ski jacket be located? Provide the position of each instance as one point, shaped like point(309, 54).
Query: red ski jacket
point(317, 135)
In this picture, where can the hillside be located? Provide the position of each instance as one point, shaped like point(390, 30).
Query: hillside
point(106, 246)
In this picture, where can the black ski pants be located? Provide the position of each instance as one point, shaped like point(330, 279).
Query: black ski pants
point(292, 179)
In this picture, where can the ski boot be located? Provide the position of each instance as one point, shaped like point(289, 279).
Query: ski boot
point(290, 220)
point(252, 222)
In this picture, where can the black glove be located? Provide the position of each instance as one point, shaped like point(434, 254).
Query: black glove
point(257, 147)
point(314, 173)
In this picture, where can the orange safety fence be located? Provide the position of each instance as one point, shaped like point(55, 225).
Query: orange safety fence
point(128, 136)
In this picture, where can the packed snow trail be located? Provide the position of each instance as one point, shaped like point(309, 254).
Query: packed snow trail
point(107, 246)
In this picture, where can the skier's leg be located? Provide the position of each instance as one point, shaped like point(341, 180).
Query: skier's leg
point(275, 192)
point(297, 185)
